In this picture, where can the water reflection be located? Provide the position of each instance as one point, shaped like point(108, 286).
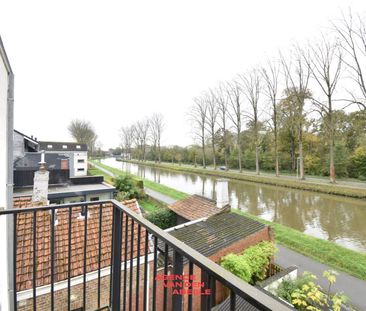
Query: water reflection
point(332, 218)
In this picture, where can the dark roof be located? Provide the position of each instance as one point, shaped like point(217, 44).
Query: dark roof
point(216, 232)
point(58, 146)
point(240, 304)
point(26, 136)
point(30, 161)
point(195, 207)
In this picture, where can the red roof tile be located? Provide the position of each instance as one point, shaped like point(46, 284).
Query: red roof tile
point(24, 259)
point(195, 207)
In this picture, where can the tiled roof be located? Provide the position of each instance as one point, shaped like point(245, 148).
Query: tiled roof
point(24, 260)
point(217, 232)
point(195, 207)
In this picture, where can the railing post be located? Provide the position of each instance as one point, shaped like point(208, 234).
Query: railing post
point(116, 260)
point(177, 270)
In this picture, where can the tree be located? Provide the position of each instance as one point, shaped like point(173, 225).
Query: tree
point(251, 88)
point(235, 113)
point(211, 120)
point(270, 75)
point(127, 137)
point(83, 132)
point(222, 102)
point(352, 34)
point(157, 126)
point(297, 74)
point(142, 131)
point(198, 116)
point(324, 61)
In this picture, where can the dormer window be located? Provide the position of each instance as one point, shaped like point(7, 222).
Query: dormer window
point(64, 146)
point(49, 146)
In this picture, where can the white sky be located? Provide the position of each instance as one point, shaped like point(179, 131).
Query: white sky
point(114, 62)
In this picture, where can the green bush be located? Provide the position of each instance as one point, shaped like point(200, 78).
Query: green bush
point(127, 188)
point(357, 166)
point(163, 218)
point(252, 265)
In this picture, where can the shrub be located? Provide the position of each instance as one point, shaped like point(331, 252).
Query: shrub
point(357, 166)
point(127, 188)
point(252, 265)
point(163, 218)
point(305, 294)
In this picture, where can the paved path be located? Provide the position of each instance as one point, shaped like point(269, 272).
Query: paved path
point(353, 287)
point(160, 197)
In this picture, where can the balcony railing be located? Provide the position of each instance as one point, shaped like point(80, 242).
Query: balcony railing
point(96, 255)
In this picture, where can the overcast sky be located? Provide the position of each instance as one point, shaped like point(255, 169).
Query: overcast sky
point(114, 62)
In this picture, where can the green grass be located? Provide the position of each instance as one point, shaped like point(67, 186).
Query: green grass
point(175, 194)
point(96, 172)
point(269, 180)
point(338, 257)
point(329, 253)
point(148, 205)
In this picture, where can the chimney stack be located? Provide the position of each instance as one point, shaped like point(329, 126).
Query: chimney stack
point(222, 193)
point(40, 183)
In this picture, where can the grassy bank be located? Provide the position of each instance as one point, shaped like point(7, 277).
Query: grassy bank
point(274, 181)
point(338, 257)
point(175, 194)
point(329, 253)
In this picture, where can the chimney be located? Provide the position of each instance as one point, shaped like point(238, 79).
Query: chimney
point(40, 183)
point(222, 193)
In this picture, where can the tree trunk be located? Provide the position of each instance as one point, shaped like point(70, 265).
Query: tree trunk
point(257, 159)
point(239, 152)
point(276, 146)
point(214, 152)
point(301, 155)
point(332, 173)
point(203, 154)
point(159, 153)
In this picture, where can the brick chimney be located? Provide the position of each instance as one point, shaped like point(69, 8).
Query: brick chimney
point(222, 193)
point(40, 183)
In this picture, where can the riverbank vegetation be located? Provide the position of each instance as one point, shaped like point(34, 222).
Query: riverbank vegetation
point(175, 194)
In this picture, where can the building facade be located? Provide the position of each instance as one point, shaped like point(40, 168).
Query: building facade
point(78, 154)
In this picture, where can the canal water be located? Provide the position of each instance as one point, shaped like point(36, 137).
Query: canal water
point(338, 219)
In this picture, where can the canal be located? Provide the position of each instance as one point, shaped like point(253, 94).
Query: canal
point(333, 218)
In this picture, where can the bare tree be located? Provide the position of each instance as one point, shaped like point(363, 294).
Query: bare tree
point(198, 115)
point(235, 113)
point(324, 60)
point(352, 34)
point(270, 75)
point(222, 102)
point(157, 126)
point(297, 74)
point(251, 87)
point(211, 121)
point(142, 131)
point(127, 138)
point(83, 132)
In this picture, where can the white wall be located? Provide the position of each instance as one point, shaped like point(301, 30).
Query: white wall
point(6, 128)
point(76, 165)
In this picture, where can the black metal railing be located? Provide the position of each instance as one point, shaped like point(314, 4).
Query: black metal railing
point(109, 258)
